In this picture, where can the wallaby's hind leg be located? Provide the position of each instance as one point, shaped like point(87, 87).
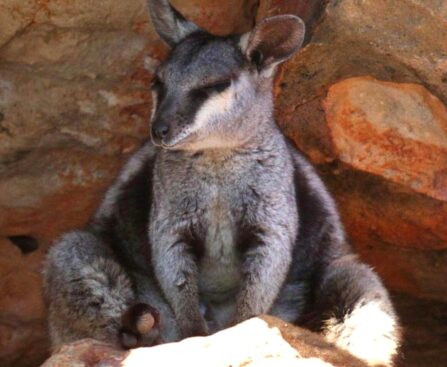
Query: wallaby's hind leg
point(148, 292)
point(90, 295)
point(358, 314)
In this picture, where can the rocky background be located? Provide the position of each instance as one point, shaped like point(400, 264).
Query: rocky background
point(365, 100)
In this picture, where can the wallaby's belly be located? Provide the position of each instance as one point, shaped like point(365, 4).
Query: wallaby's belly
point(219, 279)
point(220, 274)
point(220, 264)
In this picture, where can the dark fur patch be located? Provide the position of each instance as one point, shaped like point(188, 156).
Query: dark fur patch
point(126, 230)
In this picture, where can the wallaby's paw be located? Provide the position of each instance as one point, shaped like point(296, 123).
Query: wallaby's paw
point(139, 327)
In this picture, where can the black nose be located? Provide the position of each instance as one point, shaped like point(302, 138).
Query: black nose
point(160, 130)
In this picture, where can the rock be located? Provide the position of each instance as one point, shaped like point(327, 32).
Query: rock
point(393, 130)
point(256, 342)
point(425, 329)
point(223, 18)
point(47, 192)
point(309, 11)
point(400, 41)
point(397, 132)
point(424, 345)
point(74, 103)
point(14, 21)
point(23, 330)
point(416, 40)
point(381, 147)
point(399, 232)
point(312, 346)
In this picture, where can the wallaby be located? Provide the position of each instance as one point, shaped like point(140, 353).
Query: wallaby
point(218, 218)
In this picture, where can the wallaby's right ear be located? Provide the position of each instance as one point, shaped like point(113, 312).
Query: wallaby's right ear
point(169, 23)
point(273, 41)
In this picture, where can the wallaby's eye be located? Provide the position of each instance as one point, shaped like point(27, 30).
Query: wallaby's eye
point(217, 87)
point(220, 86)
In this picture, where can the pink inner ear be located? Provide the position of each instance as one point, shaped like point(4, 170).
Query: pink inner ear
point(276, 38)
point(171, 26)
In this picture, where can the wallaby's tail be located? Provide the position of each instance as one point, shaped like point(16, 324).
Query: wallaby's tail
point(359, 316)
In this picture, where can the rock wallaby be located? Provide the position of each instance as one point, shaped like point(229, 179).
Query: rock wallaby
point(218, 218)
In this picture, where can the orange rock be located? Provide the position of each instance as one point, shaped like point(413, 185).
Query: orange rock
point(308, 10)
point(389, 184)
point(74, 102)
point(263, 341)
point(400, 233)
point(392, 141)
point(23, 330)
point(393, 130)
point(48, 192)
point(220, 17)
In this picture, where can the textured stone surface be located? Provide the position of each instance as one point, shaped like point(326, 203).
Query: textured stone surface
point(425, 332)
point(394, 229)
point(22, 326)
point(256, 342)
point(393, 130)
point(398, 224)
point(74, 102)
point(400, 41)
point(424, 327)
point(397, 132)
point(309, 10)
point(380, 147)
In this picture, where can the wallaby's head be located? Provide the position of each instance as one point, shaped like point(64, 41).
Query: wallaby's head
point(212, 91)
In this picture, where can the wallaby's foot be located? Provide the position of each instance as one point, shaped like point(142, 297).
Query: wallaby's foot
point(140, 327)
point(193, 325)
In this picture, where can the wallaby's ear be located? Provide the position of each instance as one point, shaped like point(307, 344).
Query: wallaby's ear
point(169, 23)
point(273, 41)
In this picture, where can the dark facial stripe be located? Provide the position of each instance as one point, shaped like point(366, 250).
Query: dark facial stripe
point(198, 68)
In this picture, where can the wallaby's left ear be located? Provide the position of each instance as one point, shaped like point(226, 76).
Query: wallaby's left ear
point(273, 41)
point(169, 23)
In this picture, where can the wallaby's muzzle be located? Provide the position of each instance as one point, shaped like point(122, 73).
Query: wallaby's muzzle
point(172, 120)
point(160, 131)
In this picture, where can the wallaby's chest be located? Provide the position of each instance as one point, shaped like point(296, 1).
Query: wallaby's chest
point(220, 261)
point(214, 200)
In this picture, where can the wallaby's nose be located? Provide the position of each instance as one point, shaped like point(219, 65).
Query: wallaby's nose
point(159, 131)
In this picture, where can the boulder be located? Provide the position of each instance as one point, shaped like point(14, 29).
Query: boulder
point(258, 342)
point(23, 330)
point(365, 101)
point(74, 103)
point(393, 130)
point(390, 140)
point(267, 341)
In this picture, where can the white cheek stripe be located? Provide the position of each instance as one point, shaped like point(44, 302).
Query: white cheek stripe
point(220, 103)
point(213, 107)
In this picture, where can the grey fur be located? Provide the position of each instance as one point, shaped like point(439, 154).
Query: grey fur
point(170, 25)
point(220, 220)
